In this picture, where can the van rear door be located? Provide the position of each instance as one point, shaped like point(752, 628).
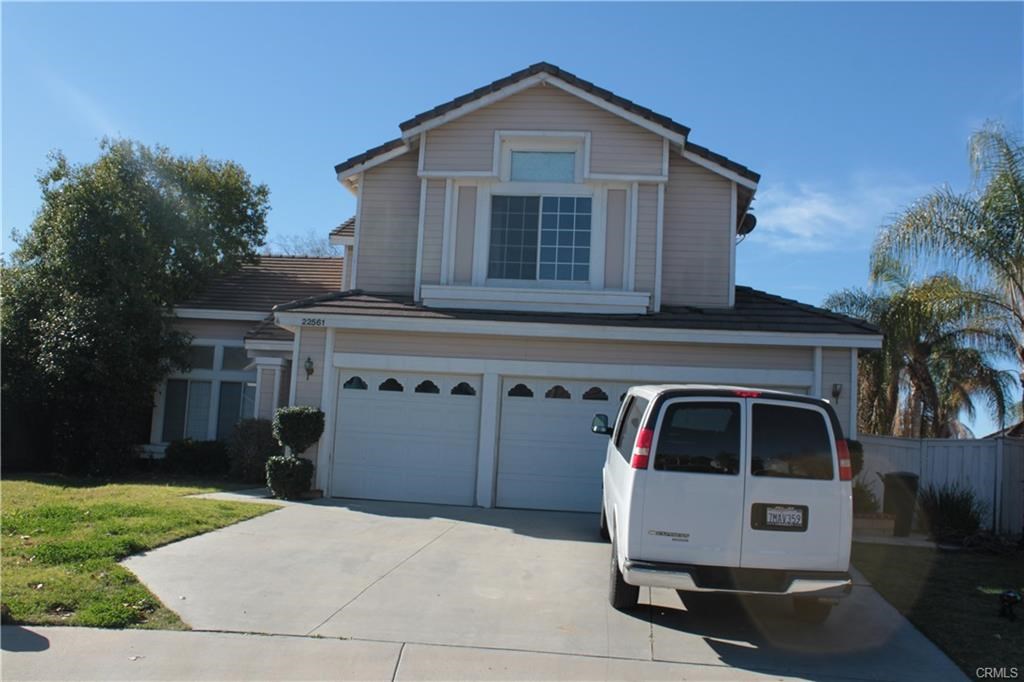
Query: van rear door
point(693, 487)
point(794, 500)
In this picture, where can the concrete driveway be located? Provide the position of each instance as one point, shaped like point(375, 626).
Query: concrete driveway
point(500, 582)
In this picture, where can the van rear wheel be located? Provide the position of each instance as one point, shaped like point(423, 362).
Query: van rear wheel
point(621, 595)
point(811, 610)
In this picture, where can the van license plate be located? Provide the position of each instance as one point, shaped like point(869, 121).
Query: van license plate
point(784, 517)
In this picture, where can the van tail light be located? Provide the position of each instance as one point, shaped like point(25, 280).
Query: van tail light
point(747, 394)
point(845, 465)
point(642, 449)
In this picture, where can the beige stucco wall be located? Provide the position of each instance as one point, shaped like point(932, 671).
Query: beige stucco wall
point(697, 236)
point(433, 232)
point(616, 146)
point(388, 227)
point(615, 237)
point(835, 369)
point(265, 403)
point(465, 237)
point(646, 238)
point(573, 350)
point(312, 342)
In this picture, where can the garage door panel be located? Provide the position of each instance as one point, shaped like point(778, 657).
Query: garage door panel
point(547, 456)
point(404, 445)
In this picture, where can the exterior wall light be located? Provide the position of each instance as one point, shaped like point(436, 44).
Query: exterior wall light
point(309, 368)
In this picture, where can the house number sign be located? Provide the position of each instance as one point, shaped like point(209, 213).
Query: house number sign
point(314, 322)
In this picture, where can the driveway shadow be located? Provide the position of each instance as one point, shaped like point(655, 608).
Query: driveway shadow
point(17, 638)
point(547, 525)
point(760, 633)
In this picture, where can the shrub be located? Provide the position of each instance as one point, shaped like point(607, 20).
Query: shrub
point(289, 477)
point(864, 499)
point(196, 457)
point(298, 427)
point(950, 512)
point(856, 449)
point(251, 445)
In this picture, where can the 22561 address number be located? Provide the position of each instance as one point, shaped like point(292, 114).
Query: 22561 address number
point(313, 322)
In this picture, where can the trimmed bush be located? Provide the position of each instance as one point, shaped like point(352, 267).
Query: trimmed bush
point(196, 457)
point(298, 427)
point(950, 512)
point(864, 499)
point(251, 445)
point(289, 477)
point(856, 456)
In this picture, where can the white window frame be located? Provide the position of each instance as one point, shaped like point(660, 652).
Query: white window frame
point(508, 141)
point(214, 376)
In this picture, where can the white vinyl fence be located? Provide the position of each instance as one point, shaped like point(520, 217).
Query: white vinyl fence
point(993, 468)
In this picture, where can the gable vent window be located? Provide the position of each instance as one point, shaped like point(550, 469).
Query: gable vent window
point(595, 393)
point(462, 388)
point(540, 238)
point(543, 167)
point(427, 386)
point(391, 385)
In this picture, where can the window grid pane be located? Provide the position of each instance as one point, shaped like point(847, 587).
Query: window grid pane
point(513, 252)
point(565, 239)
point(543, 167)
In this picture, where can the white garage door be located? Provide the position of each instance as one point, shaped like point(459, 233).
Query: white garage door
point(547, 456)
point(406, 436)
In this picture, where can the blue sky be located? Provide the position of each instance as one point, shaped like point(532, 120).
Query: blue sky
point(848, 111)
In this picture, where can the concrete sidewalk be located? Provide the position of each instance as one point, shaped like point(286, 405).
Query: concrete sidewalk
point(61, 653)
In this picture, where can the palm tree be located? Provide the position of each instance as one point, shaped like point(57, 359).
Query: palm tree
point(935, 360)
point(978, 235)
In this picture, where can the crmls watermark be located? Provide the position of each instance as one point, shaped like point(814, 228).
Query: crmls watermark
point(1003, 673)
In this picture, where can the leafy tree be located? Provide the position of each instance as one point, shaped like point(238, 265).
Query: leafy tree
point(977, 235)
point(936, 358)
point(88, 294)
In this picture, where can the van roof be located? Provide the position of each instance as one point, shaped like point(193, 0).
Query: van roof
point(652, 390)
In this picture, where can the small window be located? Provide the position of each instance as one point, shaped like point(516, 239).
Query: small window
point(235, 359)
point(700, 438)
point(520, 391)
point(790, 442)
point(200, 357)
point(629, 426)
point(391, 385)
point(427, 386)
point(543, 167)
point(462, 388)
point(355, 383)
point(558, 392)
point(595, 393)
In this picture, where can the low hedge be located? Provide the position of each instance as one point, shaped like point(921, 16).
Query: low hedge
point(252, 444)
point(289, 477)
point(197, 457)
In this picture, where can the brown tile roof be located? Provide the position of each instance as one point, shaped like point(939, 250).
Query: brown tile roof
point(570, 78)
point(273, 279)
point(754, 311)
point(268, 331)
point(346, 229)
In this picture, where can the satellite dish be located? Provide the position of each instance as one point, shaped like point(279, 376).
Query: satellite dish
point(747, 225)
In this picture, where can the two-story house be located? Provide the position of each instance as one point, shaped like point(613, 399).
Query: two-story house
point(519, 256)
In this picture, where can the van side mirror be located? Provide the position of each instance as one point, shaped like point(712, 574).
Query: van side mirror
point(600, 425)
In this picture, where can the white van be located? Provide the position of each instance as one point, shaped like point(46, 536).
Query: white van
point(726, 489)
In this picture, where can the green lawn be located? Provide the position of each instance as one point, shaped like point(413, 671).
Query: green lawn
point(952, 597)
point(62, 537)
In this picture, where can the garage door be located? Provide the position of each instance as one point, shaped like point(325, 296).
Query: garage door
point(406, 436)
point(547, 456)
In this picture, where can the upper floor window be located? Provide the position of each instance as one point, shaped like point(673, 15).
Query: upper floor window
point(543, 166)
point(540, 238)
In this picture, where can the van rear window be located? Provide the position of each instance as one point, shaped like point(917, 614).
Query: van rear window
point(700, 438)
point(790, 442)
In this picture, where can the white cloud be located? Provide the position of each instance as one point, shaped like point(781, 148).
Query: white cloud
point(808, 217)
